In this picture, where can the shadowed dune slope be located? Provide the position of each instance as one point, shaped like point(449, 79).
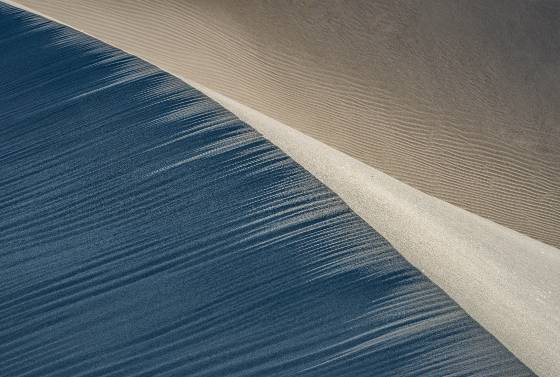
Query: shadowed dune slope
point(457, 98)
point(146, 230)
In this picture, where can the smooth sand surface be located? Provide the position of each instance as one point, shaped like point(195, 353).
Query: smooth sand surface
point(456, 98)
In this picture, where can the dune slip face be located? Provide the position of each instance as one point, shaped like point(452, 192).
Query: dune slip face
point(146, 230)
point(459, 99)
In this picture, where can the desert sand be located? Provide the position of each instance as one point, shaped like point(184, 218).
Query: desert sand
point(506, 281)
point(146, 230)
point(505, 170)
point(458, 99)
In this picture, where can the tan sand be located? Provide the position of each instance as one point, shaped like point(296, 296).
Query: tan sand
point(506, 281)
point(456, 98)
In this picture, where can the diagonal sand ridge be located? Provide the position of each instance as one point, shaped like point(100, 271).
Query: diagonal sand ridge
point(505, 280)
point(458, 99)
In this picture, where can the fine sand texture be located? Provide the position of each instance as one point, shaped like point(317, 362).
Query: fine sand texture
point(506, 281)
point(457, 98)
point(147, 231)
point(503, 279)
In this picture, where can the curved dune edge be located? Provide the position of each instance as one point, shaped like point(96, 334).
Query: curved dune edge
point(506, 281)
point(457, 99)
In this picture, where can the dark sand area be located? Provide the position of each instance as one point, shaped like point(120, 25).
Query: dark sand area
point(456, 98)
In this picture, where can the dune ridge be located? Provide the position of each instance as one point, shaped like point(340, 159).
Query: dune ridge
point(149, 231)
point(503, 279)
point(458, 99)
point(512, 294)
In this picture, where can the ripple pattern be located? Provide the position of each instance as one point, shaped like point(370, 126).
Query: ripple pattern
point(146, 231)
point(455, 98)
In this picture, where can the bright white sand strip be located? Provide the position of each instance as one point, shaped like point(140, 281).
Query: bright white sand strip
point(506, 281)
point(455, 98)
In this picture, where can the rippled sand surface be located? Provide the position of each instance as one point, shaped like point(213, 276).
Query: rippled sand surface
point(457, 98)
point(146, 230)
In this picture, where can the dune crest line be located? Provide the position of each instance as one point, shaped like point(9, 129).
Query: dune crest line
point(506, 281)
point(456, 98)
point(146, 230)
point(520, 312)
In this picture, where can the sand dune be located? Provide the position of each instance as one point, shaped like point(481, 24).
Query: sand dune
point(458, 99)
point(504, 280)
point(148, 231)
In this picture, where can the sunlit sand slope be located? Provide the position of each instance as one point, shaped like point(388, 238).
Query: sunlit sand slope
point(145, 230)
point(457, 98)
